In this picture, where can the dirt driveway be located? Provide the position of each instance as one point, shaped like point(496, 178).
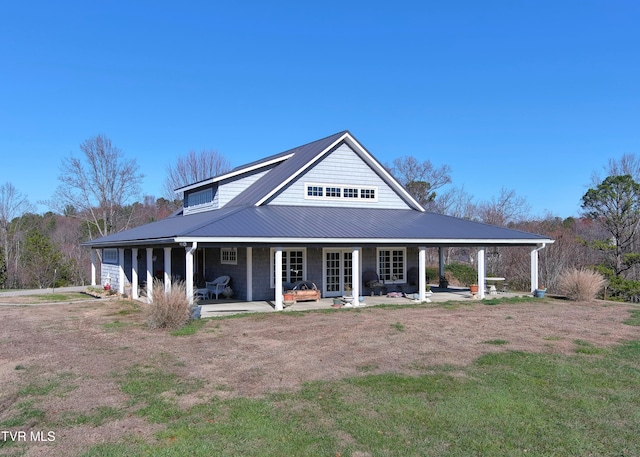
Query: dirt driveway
point(90, 343)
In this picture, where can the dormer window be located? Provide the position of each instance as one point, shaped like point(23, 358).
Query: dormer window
point(200, 197)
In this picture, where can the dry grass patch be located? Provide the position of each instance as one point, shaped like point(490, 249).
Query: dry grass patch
point(581, 285)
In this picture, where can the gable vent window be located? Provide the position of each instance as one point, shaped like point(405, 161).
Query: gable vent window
point(314, 191)
point(369, 194)
point(333, 192)
point(317, 191)
point(350, 192)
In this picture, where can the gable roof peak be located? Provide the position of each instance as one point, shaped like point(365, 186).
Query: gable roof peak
point(296, 161)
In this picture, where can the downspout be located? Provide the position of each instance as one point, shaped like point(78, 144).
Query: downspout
point(534, 266)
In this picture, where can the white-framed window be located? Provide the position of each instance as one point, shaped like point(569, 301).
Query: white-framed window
point(350, 192)
point(110, 255)
point(315, 191)
point(199, 197)
point(333, 192)
point(322, 191)
point(392, 265)
point(368, 193)
point(294, 265)
point(229, 256)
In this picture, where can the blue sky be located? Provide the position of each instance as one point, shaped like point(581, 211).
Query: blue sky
point(532, 96)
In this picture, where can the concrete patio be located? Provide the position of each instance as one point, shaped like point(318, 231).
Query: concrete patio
point(225, 307)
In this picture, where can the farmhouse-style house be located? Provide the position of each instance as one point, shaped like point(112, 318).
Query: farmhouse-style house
point(326, 212)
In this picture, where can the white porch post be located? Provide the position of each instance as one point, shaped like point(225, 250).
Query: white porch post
point(121, 277)
point(249, 274)
point(278, 279)
point(534, 268)
point(167, 269)
point(481, 273)
point(422, 273)
point(134, 273)
point(94, 267)
point(355, 275)
point(189, 250)
point(149, 274)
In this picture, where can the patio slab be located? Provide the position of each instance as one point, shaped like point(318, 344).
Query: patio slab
point(225, 307)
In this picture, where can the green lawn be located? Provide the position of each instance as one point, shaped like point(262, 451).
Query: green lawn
point(508, 404)
point(504, 404)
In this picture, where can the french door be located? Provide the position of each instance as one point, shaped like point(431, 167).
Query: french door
point(338, 268)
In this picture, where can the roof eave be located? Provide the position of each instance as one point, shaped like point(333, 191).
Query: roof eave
point(368, 241)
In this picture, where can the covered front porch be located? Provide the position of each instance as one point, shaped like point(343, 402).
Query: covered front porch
point(262, 273)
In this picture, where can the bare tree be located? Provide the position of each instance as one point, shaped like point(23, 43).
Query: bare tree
point(12, 205)
point(507, 208)
point(421, 179)
point(628, 164)
point(456, 202)
point(98, 185)
point(192, 168)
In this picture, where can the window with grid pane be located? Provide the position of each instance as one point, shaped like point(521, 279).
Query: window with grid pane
point(333, 191)
point(229, 256)
point(293, 266)
point(391, 265)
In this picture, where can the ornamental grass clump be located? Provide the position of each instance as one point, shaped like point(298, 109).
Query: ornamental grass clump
point(580, 285)
point(170, 310)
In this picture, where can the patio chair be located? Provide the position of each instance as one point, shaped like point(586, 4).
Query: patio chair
point(371, 280)
point(217, 285)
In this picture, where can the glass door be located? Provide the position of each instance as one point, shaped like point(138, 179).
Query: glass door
point(337, 272)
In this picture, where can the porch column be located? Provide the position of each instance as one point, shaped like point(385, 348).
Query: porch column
point(134, 273)
point(278, 279)
point(422, 273)
point(534, 267)
point(189, 250)
point(121, 277)
point(249, 274)
point(94, 267)
point(440, 264)
point(149, 274)
point(167, 269)
point(481, 273)
point(355, 275)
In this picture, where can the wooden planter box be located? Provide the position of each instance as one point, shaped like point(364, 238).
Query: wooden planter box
point(304, 292)
point(302, 295)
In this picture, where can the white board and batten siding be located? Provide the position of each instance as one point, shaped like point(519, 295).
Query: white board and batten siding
point(343, 167)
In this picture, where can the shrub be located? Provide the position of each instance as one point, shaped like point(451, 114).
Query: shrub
point(463, 273)
point(169, 310)
point(580, 285)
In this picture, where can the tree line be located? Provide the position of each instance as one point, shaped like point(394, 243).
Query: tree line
point(99, 194)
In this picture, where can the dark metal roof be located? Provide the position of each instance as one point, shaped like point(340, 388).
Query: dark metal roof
point(302, 155)
point(241, 221)
point(299, 224)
